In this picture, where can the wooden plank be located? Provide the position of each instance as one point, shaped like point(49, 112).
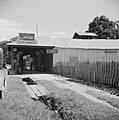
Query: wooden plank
point(115, 75)
point(90, 66)
point(42, 89)
point(99, 76)
point(90, 72)
point(112, 73)
point(97, 80)
point(104, 80)
point(102, 72)
point(30, 91)
point(118, 74)
point(110, 80)
point(111, 69)
point(37, 92)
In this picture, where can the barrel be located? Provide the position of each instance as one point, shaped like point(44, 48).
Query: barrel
point(1, 58)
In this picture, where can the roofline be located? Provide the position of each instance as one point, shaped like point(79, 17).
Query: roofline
point(89, 48)
point(95, 39)
point(28, 45)
point(86, 33)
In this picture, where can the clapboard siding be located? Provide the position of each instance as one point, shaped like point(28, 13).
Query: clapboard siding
point(84, 55)
point(93, 65)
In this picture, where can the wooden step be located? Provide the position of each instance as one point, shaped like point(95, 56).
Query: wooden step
point(36, 91)
point(30, 91)
point(42, 89)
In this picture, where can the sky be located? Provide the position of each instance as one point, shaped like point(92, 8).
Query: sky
point(54, 18)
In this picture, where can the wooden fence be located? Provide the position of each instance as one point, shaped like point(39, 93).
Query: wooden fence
point(106, 73)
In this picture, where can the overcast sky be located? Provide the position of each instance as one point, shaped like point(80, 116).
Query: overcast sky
point(55, 18)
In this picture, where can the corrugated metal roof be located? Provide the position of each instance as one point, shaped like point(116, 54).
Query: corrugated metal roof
point(74, 43)
point(40, 42)
point(80, 43)
point(95, 44)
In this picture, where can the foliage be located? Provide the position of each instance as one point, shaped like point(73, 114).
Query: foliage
point(3, 45)
point(64, 109)
point(104, 28)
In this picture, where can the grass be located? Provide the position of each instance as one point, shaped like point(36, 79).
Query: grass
point(17, 105)
point(79, 106)
point(113, 101)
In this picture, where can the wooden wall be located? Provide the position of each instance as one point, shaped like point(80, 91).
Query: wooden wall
point(93, 65)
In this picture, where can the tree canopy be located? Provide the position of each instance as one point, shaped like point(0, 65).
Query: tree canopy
point(3, 45)
point(104, 28)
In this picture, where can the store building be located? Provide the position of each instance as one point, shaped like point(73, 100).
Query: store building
point(95, 60)
point(28, 56)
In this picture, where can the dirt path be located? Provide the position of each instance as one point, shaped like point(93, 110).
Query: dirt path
point(84, 90)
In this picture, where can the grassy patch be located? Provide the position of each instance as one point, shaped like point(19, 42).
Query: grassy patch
point(113, 101)
point(111, 89)
point(77, 107)
point(62, 104)
point(17, 105)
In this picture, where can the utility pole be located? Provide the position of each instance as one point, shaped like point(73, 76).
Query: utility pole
point(37, 30)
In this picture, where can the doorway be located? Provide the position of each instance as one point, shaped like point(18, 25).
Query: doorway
point(31, 59)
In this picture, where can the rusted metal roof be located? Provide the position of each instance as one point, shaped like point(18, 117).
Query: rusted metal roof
point(86, 43)
point(40, 42)
point(74, 43)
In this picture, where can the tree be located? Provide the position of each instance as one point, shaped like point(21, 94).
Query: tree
point(3, 45)
point(117, 29)
point(104, 28)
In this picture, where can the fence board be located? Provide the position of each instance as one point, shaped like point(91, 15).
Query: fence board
point(97, 72)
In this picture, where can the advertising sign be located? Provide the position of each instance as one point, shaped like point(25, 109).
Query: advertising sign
point(26, 36)
point(52, 51)
point(110, 51)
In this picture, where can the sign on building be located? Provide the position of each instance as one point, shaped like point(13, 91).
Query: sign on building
point(52, 51)
point(27, 38)
point(110, 51)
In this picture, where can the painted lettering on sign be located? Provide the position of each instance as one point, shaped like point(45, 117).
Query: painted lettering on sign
point(26, 36)
point(110, 51)
point(52, 51)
